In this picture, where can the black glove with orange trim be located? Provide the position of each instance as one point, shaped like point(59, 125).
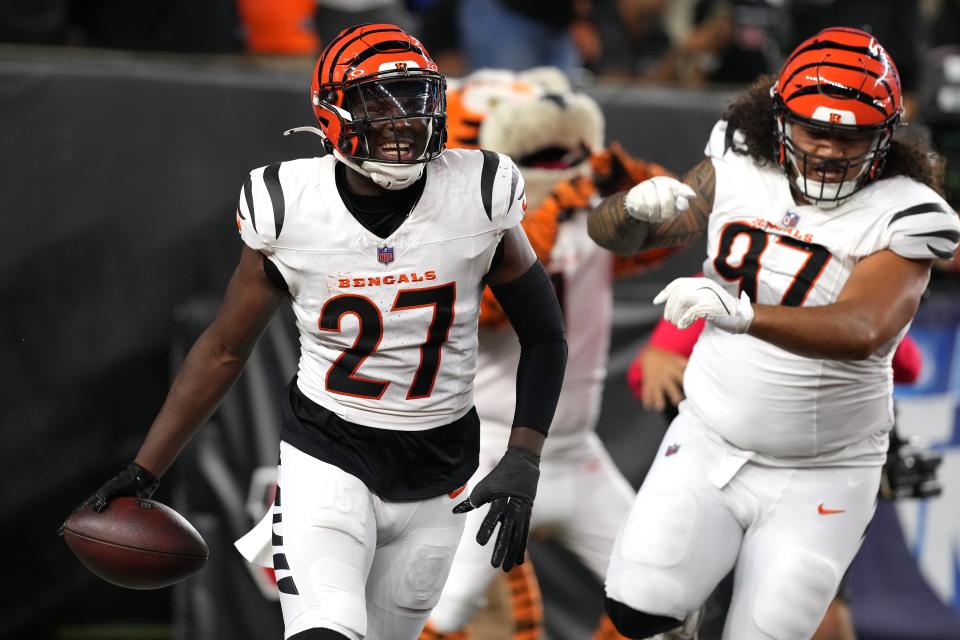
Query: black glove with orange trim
point(510, 489)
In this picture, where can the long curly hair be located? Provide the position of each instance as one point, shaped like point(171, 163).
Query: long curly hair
point(751, 113)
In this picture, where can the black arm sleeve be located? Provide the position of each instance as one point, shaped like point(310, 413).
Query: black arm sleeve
point(531, 305)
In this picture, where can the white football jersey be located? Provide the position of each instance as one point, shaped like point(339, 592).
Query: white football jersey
point(388, 327)
point(786, 408)
point(582, 274)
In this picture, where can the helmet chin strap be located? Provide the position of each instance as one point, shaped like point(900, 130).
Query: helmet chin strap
point(826, 195)
point(386, 175)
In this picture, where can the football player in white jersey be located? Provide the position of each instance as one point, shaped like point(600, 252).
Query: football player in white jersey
point(821, 231)
point(383, 247)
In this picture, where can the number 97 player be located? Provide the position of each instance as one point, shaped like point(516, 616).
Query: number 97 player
point(383, 247)
point(821, 231)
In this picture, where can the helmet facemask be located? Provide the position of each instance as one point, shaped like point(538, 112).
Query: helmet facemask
point(815, 175)
point(391, 125)
point(396, 119)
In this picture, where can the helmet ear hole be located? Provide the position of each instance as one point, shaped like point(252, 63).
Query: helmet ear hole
point(331, 96)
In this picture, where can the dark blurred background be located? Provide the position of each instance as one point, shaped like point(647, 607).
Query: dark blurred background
point(126, 130)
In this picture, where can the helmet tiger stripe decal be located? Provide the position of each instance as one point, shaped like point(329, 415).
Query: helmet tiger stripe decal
point(841, 69)
point(844, 82)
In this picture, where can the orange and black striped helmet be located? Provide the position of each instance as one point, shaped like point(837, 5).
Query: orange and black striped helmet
point(376, 76)
point(844, 81)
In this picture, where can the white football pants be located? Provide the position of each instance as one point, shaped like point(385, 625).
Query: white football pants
point(348, 560)
point(702, 510)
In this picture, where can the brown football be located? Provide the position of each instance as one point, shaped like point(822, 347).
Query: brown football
point(136, 543)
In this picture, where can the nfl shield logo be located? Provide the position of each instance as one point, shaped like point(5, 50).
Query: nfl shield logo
point(385, 255)
point(790, 219)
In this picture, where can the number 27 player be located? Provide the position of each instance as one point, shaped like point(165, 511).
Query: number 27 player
point(383, 247)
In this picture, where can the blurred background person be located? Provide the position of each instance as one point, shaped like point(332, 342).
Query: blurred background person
point(440, 27)
point(279, 26)
point(518, 35)
point(633, 37)
point(729, 42)
point(333, 16)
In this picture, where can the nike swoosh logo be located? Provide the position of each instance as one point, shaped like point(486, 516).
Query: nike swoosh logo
point(826, 512)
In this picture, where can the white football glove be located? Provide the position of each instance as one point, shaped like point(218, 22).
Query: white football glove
point(658, 199)
point(689, 299)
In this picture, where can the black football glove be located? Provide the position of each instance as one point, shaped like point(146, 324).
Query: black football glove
point(510, 489)
point(133, 480)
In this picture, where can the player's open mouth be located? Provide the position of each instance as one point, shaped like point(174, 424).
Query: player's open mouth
point(827, 172)
point(402, 150)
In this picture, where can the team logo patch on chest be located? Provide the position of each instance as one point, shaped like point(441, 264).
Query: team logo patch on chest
point(384, 255)
point(790, 219)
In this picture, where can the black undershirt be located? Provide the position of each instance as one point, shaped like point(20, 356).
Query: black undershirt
point(382, 214)
point(395, 465)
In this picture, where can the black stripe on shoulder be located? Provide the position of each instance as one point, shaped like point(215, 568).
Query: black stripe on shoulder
point(491, 161)
point(728, 139)
point(271, 178)
point(943, 255)
point(946, 234)
point(248, 196)
point(280, 562)
point(514, 179)
point(927, 207)
point(287, 585)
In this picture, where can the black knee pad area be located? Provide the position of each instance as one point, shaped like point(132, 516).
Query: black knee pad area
point(319, 634)
point(636, 624)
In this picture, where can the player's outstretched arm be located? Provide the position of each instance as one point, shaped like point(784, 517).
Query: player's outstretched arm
point(209, 370)
point(523, 288)
point(213, 363)
point(878, 300)
point(659, 212)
